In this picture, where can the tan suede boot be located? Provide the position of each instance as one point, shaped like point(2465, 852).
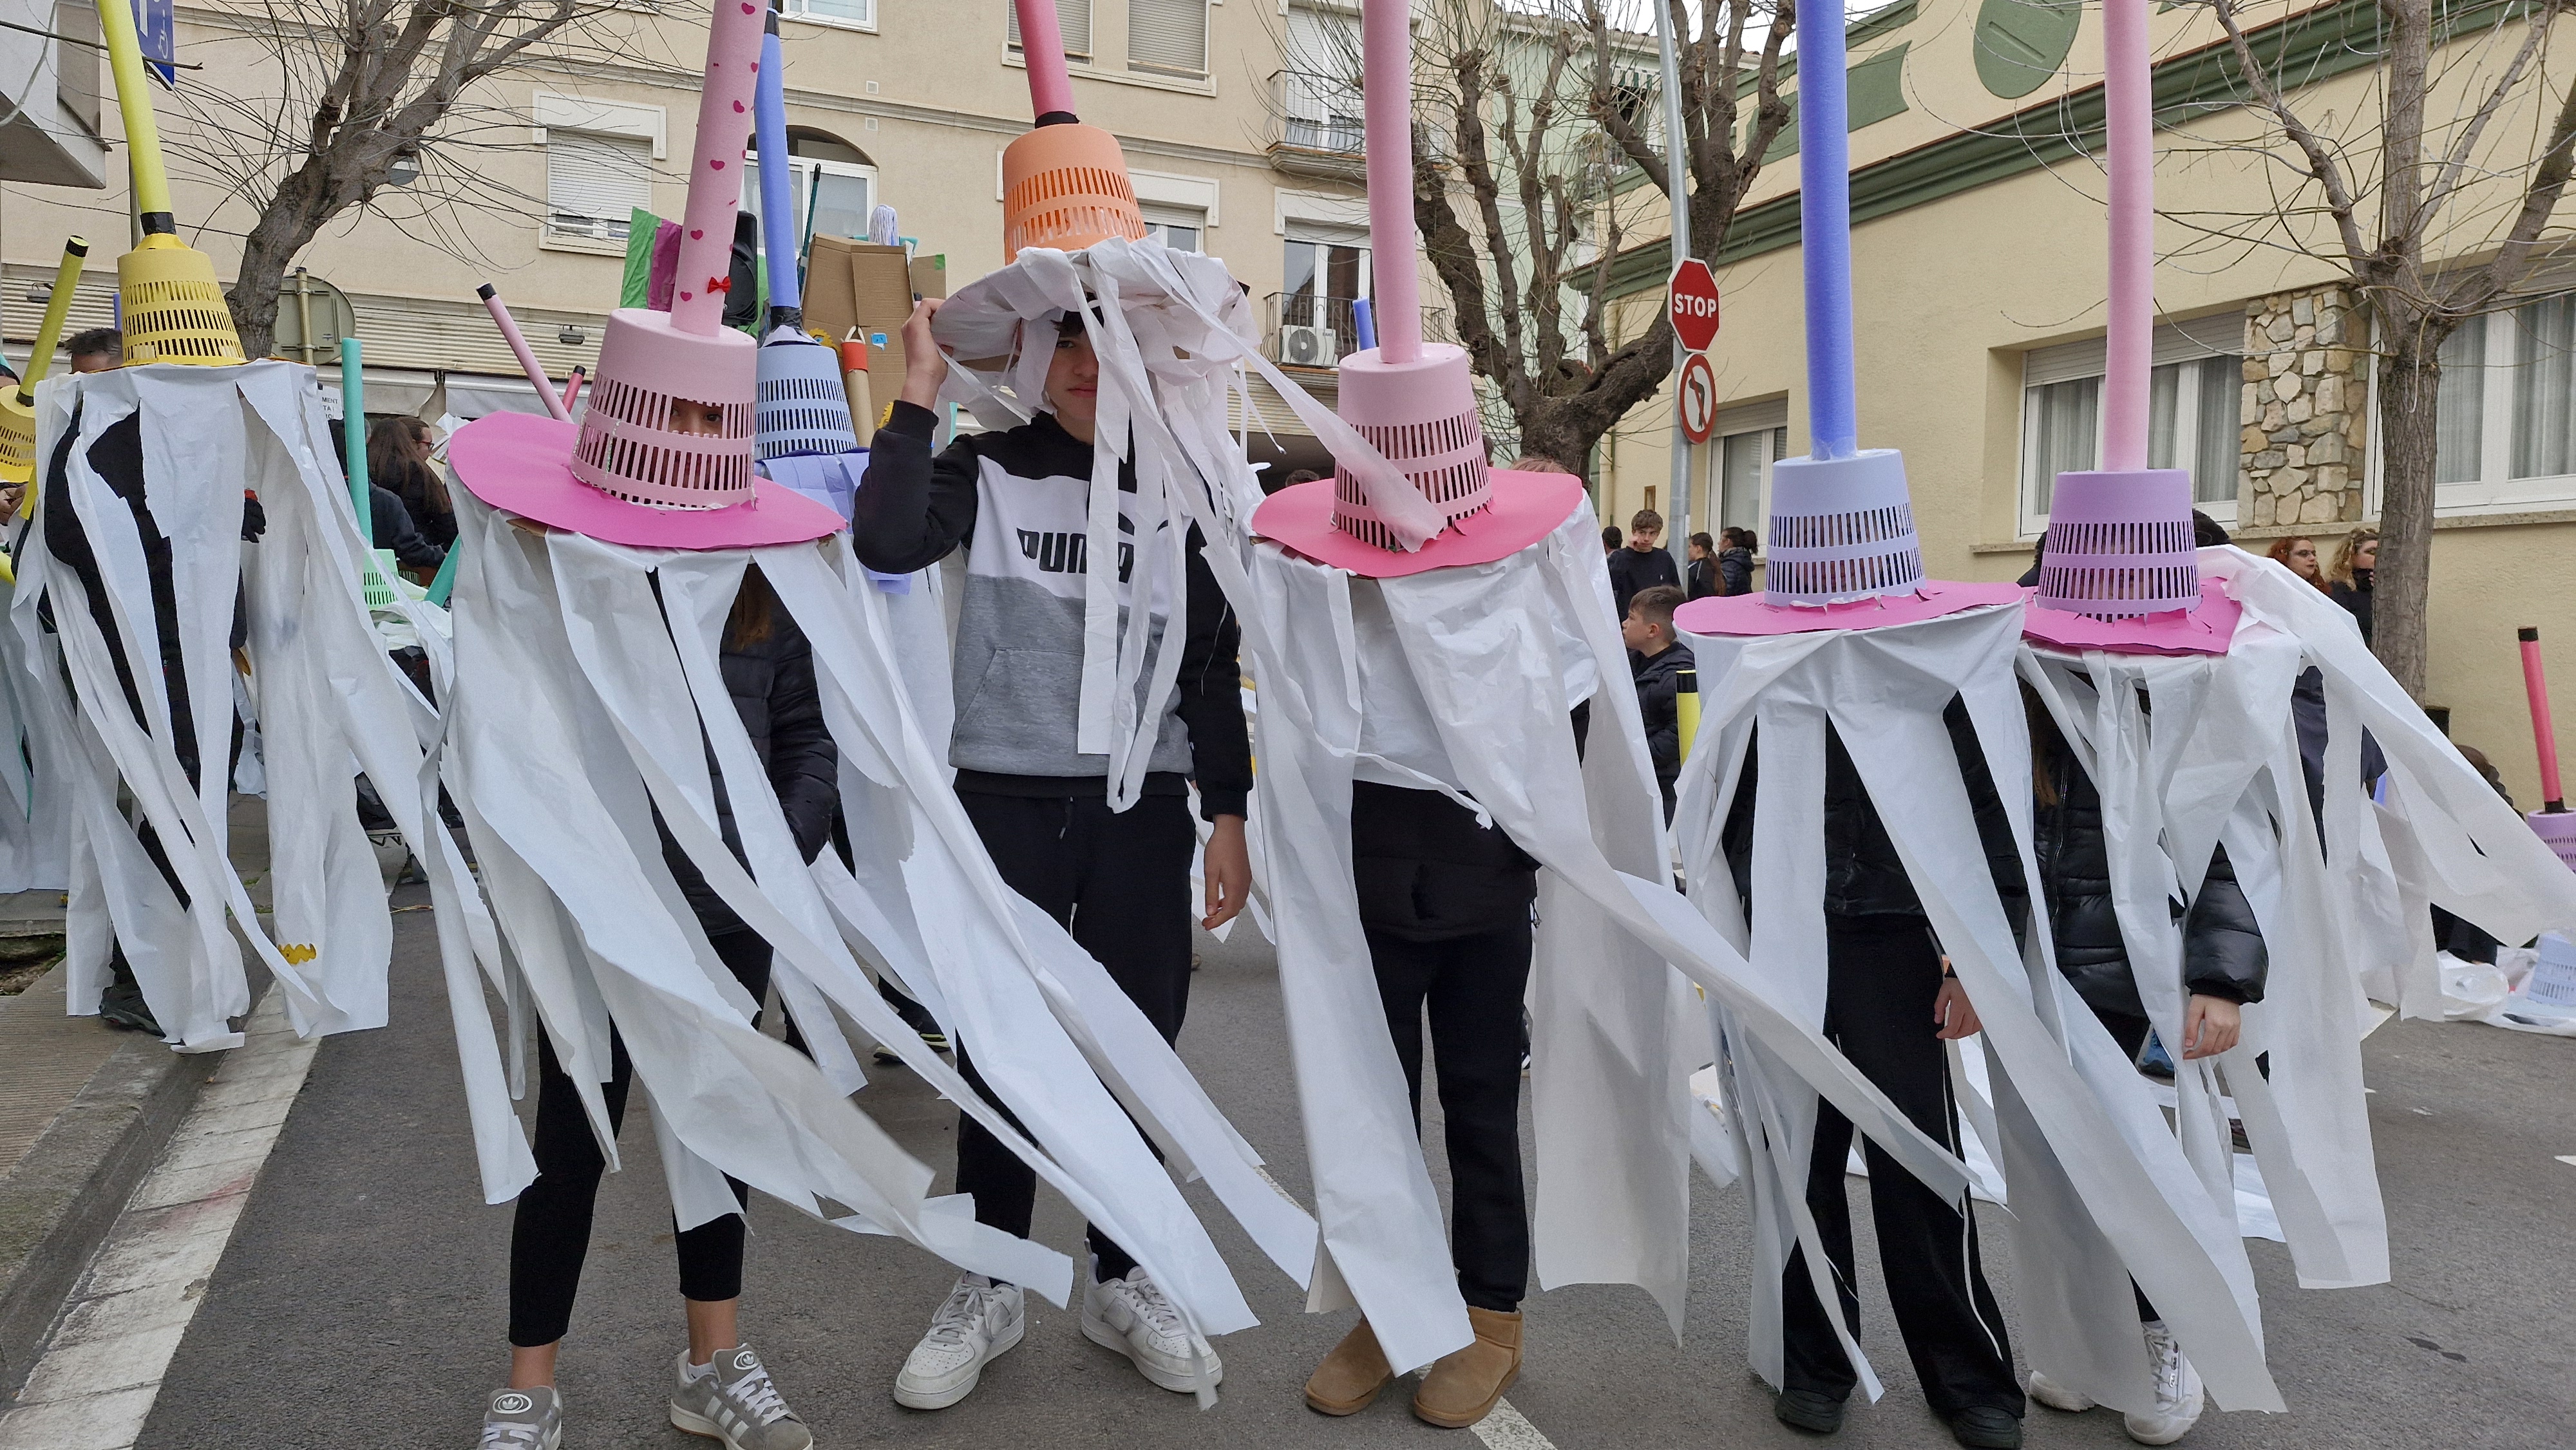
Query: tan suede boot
point(1462, 1387)
point(1351, 1376)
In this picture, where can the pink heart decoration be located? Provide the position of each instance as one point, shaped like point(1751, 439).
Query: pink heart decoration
point(685, 296)
point(747, 10)
point(697, 235)
point(718, 165)
point(737, 106)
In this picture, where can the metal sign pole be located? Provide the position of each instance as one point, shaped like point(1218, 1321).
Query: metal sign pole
point(1677, 174)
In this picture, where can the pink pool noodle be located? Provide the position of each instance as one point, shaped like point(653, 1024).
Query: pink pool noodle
point(715, 169)
point(2130, 123)
point(572, 389)
point(2543, 736)
point(1042, 49)
point(527, 356)
point(1387, 94)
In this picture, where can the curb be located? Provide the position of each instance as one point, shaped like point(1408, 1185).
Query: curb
point(58, 1203)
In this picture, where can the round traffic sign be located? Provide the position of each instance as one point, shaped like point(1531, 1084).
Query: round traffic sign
point(1698, 397)
point(1691, 301)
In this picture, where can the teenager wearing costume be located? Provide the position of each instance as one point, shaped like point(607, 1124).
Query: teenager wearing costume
point(723, 1390)
point(1890, 1002)
point(2223, 967)
point(1018, 503)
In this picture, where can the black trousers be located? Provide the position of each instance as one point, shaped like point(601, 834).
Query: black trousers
point(1883, 973)
point(551, 1234)
point(1472, 987)
point(1119, 882)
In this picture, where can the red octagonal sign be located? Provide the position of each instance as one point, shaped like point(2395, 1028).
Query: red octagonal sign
point(1693, 304)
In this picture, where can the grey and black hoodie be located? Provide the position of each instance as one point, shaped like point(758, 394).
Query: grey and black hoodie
point(1018, 502)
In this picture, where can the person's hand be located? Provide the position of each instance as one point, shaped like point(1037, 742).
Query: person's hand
point(1228, 868)
point(924, 367)
point(1951, 1014)
point(10, 498)
point(2210, 1026)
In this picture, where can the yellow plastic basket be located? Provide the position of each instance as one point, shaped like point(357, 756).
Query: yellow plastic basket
point(174, 307)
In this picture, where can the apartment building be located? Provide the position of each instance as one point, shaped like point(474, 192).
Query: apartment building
point(1241, 141)
point(1979, 278)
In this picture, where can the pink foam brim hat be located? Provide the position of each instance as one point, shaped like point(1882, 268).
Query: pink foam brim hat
point(2207, 630)
point(522, 464)
point(1749, 614)
point(1522, 509)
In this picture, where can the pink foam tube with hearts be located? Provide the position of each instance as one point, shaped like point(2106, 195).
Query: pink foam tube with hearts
point(1387, 95)
point(715, 169)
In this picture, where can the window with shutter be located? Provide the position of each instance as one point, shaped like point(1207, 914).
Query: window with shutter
point(1168, 35)
point(1073, 17)
point(595, 182)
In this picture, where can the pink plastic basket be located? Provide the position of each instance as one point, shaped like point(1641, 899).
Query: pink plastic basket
point(1422, 416)
point(2120, 544)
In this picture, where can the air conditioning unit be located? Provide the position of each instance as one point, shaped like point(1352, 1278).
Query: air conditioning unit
point(1309, 347)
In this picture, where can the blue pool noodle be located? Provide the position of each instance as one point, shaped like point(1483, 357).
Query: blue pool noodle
point(1364, 323)
point(777, 191)
point(1824, 213)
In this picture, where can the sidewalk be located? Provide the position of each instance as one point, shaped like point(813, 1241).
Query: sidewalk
point(85, 1108)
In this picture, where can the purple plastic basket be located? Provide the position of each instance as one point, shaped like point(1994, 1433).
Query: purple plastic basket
point(2558, 829)
point(2120, 544)
point(1842, 529)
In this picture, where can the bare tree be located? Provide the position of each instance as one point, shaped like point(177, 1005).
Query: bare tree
point(2450, 179)
point(1529, 112)
point(369, 89)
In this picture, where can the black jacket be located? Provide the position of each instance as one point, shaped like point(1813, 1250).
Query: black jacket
point(2356, 597)
point(1631, 571)
point(393, 528)
point(1427, 872)
point(1658, 695)
point(1700, 579)
point(912, 509)
point(1735, 571)
point(411, 483)
point(2223, 952)
point(772, 685)
point(1863, 876)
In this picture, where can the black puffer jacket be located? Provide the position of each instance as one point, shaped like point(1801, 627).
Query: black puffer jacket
point(1863, 876)
point(2223, 952)
point(1427, 872)
point(772, 685)
point(1659, 679)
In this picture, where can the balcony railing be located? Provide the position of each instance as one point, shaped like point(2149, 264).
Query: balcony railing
point(1314, 125)
point(1331, 316)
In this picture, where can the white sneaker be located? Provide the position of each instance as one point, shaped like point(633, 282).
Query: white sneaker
point(2178, 1396)
point(1133, 1317)
point(981, 1320)
point(522, 1420)
point(2057, 1396)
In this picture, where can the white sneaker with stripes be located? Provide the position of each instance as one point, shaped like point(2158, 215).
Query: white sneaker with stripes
point(731, 1398)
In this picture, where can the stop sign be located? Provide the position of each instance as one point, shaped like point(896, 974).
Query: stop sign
point(1693, 304)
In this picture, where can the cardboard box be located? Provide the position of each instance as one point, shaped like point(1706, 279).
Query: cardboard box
point(930, 276)
point(860, 284)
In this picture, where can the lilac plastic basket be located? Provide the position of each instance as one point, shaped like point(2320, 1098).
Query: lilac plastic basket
point(1842, 529)
point(804, 406)
point(2558, 829)
point(2120, 544)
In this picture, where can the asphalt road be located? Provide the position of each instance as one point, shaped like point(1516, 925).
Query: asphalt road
point(361, 1302)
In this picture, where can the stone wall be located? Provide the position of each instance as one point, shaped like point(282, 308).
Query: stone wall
point(2305, 411)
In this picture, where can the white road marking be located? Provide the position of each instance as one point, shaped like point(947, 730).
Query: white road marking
point(2568, 1158)
point(1505, 1429)
point(95, 1384)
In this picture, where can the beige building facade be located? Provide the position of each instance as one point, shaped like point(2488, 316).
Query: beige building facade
point(1978, 258)
point(906, 103)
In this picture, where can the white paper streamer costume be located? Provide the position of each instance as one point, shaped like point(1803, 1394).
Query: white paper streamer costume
point(332, 702)
point(587, 698)
point(35, 762)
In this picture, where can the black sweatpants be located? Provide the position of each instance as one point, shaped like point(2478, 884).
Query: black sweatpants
point(1883, 973)
point(1119, 882)
point(551, 1234)
point(1472, 986)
